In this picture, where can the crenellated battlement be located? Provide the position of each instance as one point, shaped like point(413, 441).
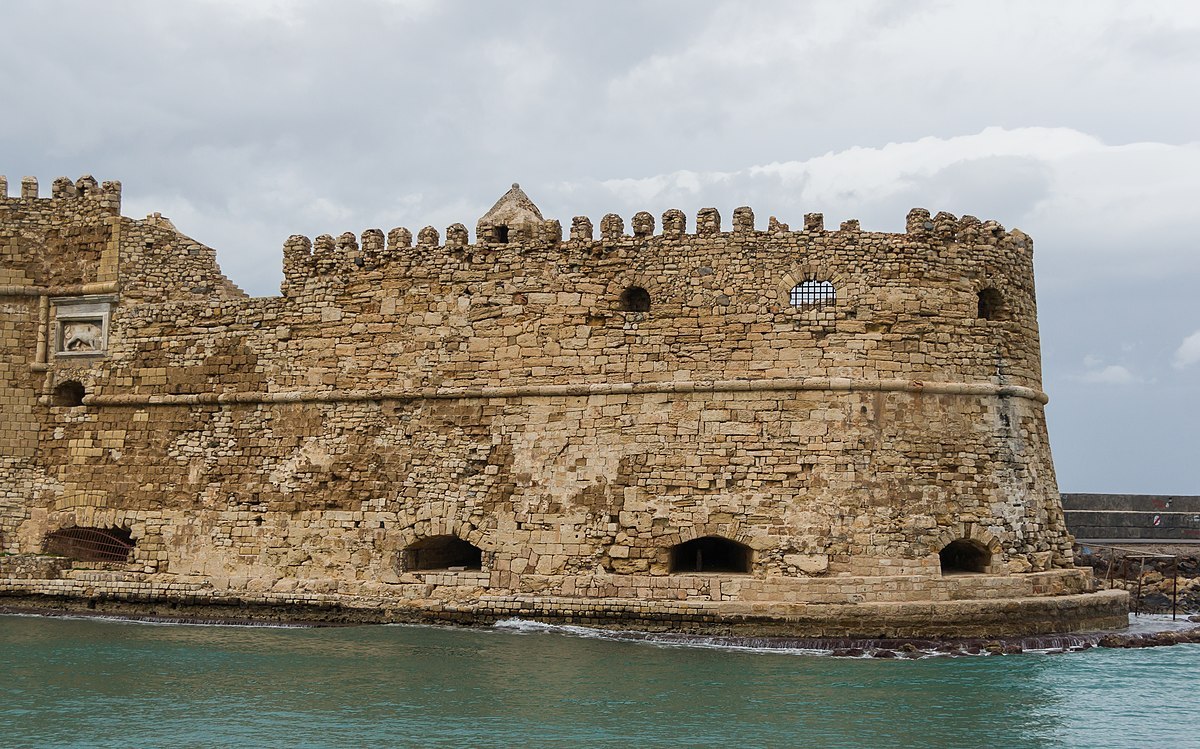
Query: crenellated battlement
point(304, 257)
point(108, 193)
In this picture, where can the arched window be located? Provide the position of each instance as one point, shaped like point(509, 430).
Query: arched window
point(991, 304)
point(710, 554)
point(964, 555)
point(90, 544)
point(442, 553)
point(635, 299)
point(69, 393)
point(812, 294)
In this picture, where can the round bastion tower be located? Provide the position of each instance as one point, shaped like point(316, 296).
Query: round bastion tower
point(740, 430)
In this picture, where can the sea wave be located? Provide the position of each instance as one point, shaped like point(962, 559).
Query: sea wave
point(1140, 627)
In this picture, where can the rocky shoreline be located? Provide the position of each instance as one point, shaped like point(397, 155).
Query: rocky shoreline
point(1155, 576)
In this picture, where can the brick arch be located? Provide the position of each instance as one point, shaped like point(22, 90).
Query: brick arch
point(971, 532)
point(989, 280)
point(844, 286)
point(614, 292)
point(626, 279)
point(732, 530)
point(433, 526)
point(88, 515)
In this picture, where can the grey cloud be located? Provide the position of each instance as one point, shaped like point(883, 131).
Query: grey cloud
point(246, 122)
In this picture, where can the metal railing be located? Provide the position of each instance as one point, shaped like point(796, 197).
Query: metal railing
point(1127, 557)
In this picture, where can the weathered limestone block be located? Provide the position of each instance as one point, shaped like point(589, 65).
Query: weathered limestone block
point(428, 237)
point(743, 220)
point(612, 227)
point(643, 224)
point(581, 228)
point(674, 223)
point(708, 221)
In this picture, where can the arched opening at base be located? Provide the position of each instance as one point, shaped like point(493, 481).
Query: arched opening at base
point(710, 554)
point(90, 544)
point(442, 553)
point(964, 555)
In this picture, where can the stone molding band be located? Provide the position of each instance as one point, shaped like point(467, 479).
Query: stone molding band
point(83, 289)
point(825, 384)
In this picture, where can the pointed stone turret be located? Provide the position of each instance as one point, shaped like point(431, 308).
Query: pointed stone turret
point(513, 217)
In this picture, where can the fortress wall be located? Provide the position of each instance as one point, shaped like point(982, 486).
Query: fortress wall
point(866, 484)
point(500, 393)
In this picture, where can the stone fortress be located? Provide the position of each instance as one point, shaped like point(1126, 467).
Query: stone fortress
point(732, 429)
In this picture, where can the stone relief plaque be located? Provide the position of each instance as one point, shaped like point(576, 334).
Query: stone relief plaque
point(79, 336)
point(81, 325)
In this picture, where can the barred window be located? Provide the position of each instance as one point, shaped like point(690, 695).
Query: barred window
point(90, 544)
point(812, 294)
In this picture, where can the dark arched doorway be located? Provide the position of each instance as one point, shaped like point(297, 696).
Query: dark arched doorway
point(964, 555)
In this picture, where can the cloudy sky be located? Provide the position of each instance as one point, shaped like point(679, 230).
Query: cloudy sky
point(245, 121)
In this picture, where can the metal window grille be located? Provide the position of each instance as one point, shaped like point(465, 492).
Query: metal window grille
point(812, 294)
point(90, 544)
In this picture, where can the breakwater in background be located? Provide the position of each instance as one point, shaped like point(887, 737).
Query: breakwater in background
point(93, 683)
point(1133, 518)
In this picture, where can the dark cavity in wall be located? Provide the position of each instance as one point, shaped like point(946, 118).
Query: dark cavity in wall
point(442, 553)
point(710, 554)
point(69, 394)
point(964, 555)
point(635, 299)
point(991, 304)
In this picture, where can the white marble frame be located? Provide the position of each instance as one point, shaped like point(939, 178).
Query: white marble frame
point(81, 309)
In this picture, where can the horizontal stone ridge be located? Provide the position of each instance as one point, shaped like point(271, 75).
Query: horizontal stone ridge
point(832, 384)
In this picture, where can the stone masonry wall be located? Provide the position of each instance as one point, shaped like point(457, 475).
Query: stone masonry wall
point(499, 393)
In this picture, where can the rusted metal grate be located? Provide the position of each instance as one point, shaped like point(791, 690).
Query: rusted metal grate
point(90, 544)
point(813, 294)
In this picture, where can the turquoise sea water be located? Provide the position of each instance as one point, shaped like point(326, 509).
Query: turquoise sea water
point(98, 683)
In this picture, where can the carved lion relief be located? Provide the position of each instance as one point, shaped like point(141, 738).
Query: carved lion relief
point(82, 335)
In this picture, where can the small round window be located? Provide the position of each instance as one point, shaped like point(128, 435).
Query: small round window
point(635, 299)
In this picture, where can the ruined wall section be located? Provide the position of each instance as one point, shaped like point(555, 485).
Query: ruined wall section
point(161, 264)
